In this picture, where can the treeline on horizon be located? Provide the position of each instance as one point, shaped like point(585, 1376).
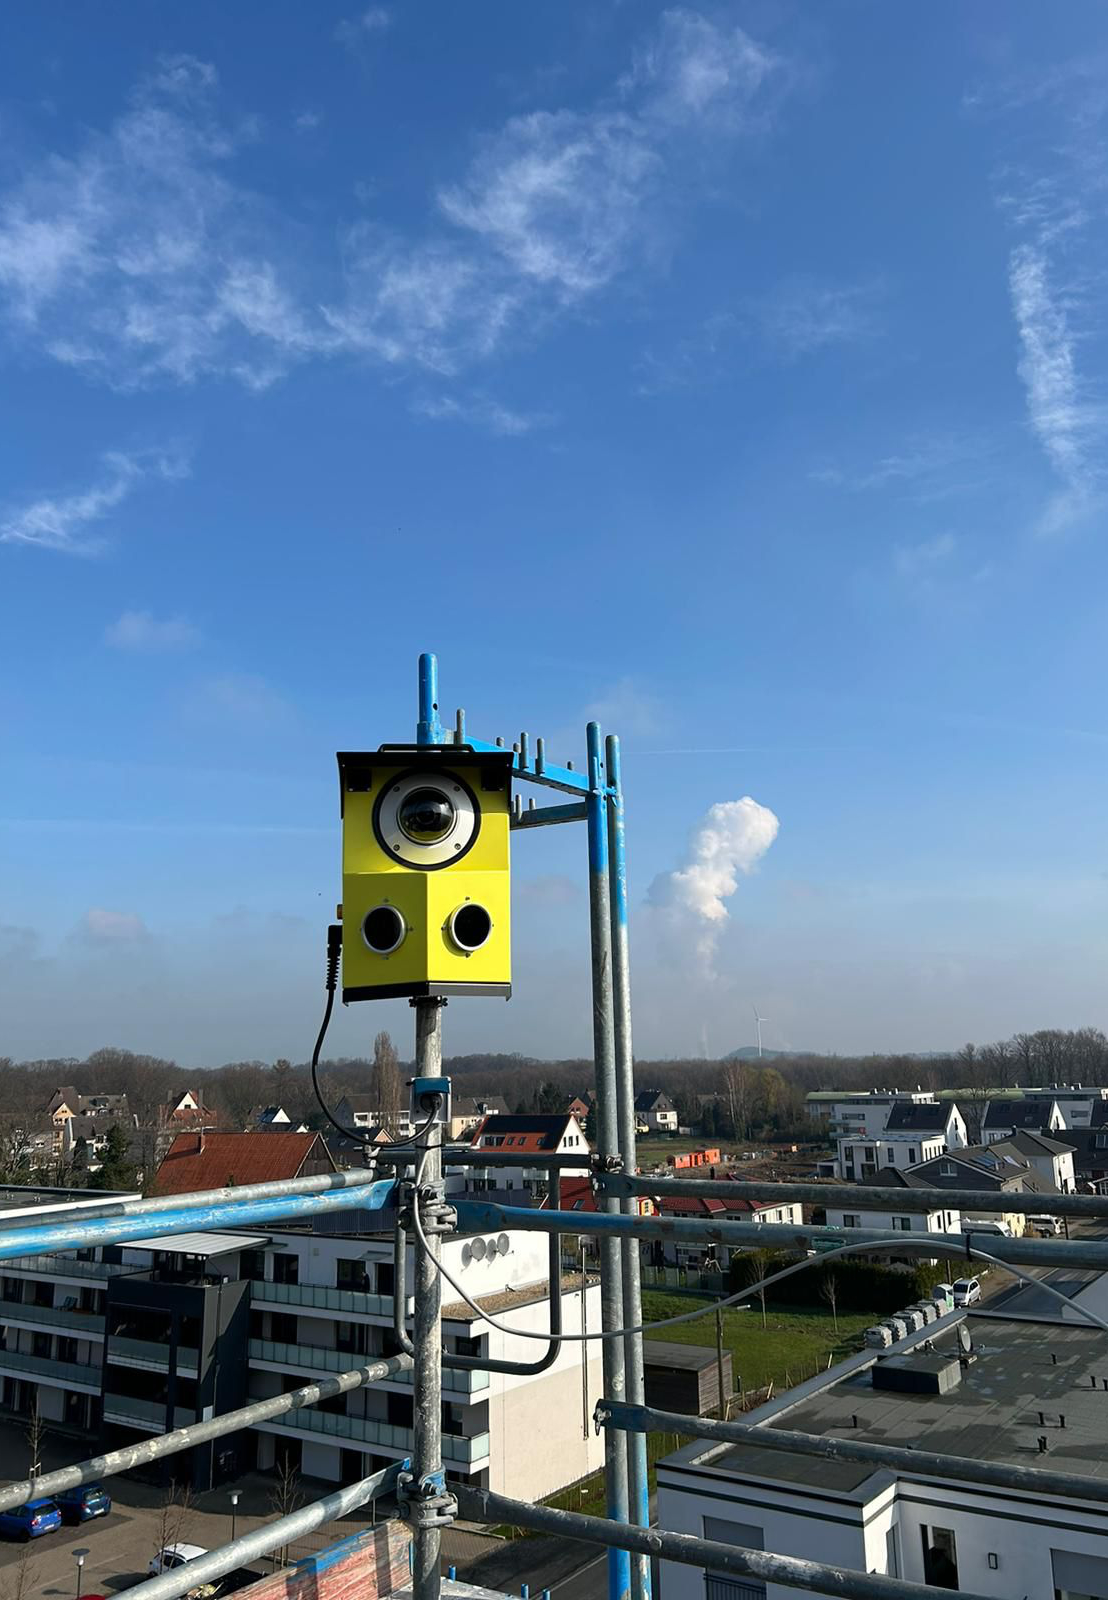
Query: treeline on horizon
point(728, 1097)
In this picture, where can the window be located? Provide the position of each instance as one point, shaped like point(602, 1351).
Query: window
point(351, 1275)
point(890, 1156)
point(729, 1586)
point(902, 1224)
point(913, 1154)
point(851, 1219)
point(947, 1169)
point(940, 1558)
point(286, 1269)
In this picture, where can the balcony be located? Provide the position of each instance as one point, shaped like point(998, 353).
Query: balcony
point(58, 1266)
point(86, 1324)
point(63, 1374)
point(150, 1415)
point(151, 1357)
point(315, 1297)
point(472, 1451)
point(314, 1358)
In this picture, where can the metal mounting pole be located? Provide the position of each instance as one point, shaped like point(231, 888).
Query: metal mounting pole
point(607, 1132)
point(427, 1467)
point(638, 1479)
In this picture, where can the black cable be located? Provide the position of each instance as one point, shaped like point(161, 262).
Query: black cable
point(334, 951)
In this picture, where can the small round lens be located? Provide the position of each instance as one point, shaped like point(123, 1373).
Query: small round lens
point(470, 927)
point(383, 929)
point(426, 816)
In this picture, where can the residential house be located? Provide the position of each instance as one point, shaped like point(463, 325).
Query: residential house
point(1035, 1114)
point(916, 1526)
point(530, 1136)
point(858, 1215)
point(362, 1111)
point(907, 1131)
point(725, 1208)
point(655, 1111)
point(1081, 1105)
point(72, 1115)
point(1052, 1159)
point(272, 1119)
point(581, 1105)
point(1090, 1158)
point(466, 1115)
point(204, 1160)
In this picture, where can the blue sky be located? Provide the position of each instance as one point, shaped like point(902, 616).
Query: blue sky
point(735, 375)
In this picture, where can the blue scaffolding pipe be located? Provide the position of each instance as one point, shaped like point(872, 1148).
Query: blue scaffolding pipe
point(41, 1240)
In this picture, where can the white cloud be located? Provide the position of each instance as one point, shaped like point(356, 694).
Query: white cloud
point(98, 926)
point(730, 840)
point(142, 631)
point(356, 30)
point(140, 258)
point(59, 522)
point(481, 411)
point(243, 698)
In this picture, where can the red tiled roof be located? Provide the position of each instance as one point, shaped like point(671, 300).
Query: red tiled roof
point(682, 1205)
point(577, 1195)
point(236, 1158)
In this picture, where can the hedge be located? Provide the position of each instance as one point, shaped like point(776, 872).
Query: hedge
point(860, 1285)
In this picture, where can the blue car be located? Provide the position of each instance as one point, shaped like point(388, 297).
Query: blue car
point(88, 1500)
point(32, 1520)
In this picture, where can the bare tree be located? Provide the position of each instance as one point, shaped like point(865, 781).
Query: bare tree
point(386, 1083)
point(829, 1291)
point(176, 1512)
point(36, 1434)
point(284, 1499)
point(738, 1087)
point(16, 1583)
point(758, 1264)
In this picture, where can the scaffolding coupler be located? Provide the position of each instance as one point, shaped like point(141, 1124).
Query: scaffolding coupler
point(426, 1504)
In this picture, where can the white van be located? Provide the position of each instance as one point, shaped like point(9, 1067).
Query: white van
point(987, 1225)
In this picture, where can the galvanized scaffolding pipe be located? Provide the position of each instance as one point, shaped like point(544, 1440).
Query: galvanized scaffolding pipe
point(270, 1536)
point(872, 1197)
point(896, 1458)
point(638, 1479)
point(480, 1215)
point(428, 1470)
point(129, 1229)
point(611, 1268)
point(322, 1183)
point(481, 1505)
point(168, 1444)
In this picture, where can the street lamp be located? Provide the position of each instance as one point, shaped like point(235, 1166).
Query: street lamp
point(79, 1558)
point(234, 1498)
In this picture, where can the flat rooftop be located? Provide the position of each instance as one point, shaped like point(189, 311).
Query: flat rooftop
point(39, 1199)
point(1022, 1368)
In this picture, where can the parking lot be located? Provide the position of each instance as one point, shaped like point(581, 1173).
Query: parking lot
point(121, 1545)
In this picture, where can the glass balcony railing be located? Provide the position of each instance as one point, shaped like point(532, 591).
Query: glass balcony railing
point(314, 1358)
point(144, 1413)
point(61, 1373)
point(455, 1447)
point(732, 1588)
point(60, 1266)
point(315, 1297)
point(145, 1353)
point(90, 1324)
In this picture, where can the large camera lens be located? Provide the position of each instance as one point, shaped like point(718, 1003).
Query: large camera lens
point(470, 927)
point(383, 929)
point(426, 816)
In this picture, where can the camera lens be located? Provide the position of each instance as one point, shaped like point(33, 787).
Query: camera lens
point(470, 927)
point(383, 929)
point(426, 816)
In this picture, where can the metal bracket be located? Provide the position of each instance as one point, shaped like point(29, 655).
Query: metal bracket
point(435, 1214)
point(427, 1504)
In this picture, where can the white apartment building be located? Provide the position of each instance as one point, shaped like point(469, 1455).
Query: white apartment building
point(161, 1334)
point(1081, 1104)
point(911, 1525)
point(904, 1133)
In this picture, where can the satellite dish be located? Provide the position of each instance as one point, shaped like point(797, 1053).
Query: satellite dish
point(965, 1340)
point(477, 1249)
point(503, 1244)
point(467, 1255)
point(490, 1248)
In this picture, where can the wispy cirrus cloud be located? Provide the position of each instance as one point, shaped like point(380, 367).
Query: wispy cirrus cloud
point(141, 258)
point(144, 633)
point(353, 31)
point(482, 411)
point(63, 521)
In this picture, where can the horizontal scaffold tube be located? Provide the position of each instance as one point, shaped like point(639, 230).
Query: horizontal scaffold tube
point(482, 1505)
point(46, 1237)
point(920, 1463)
point(481, 1216)
point(872, 1197)
point(270, 1536)
point(168, 1444)
point(321, 1183)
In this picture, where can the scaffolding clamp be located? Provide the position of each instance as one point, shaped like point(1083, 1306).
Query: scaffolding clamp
point(426, 1504)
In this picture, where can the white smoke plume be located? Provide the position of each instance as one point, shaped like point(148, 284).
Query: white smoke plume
point(730, 840)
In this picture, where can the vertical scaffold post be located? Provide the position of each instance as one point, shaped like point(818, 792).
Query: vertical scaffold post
point(427, 1465)
point(603, 1026)
point(638, 1483)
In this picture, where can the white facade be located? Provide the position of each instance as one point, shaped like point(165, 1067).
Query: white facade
point(530, 1176)
point(949, 1221)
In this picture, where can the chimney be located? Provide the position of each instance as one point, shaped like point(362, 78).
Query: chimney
point(200, 1142)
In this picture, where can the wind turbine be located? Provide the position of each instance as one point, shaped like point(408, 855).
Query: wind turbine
point(758, 1023)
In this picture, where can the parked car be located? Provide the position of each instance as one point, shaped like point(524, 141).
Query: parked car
point(987, 1225)
point(177, 1555)
point(32, 1520)
point(1046, 1227)
point(967, 1291)
point(88, 1500)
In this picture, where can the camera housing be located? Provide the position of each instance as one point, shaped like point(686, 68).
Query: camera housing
point(426, 879)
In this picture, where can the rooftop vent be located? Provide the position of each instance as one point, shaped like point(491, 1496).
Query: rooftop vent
point(918, 1374)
